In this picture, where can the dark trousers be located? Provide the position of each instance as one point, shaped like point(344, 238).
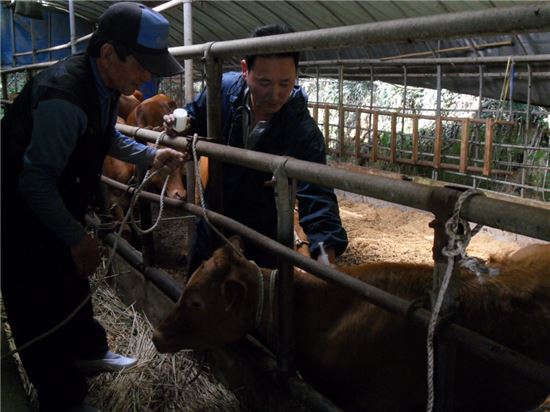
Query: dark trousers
point(40, 288)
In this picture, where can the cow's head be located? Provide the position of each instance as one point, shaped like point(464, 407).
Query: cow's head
point(216, 307)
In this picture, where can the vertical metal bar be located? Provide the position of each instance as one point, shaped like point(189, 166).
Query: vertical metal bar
point(147, 240)
point(438, 99)
point(190, 181)
point(404, 99)
point(326, 126)
point(463, 167)
point(479, 111)
point(371, 103)
point(285, 234)
point(511, 90)
point(528, 109)
point(317, 85)
point(357, 134)
point(480, 101)
point(527, 127)
point(442, 205)
point(341, 111)
point(187, 41)
point(437, 150)
point(316, 107)
point(438, 143)
point(214, 129)
point(488, 153)
point(72, 26)
point(49, 34)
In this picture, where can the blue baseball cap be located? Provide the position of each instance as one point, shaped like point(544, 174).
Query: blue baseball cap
point(145, 32)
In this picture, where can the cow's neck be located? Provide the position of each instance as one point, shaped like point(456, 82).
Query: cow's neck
point(269, 320)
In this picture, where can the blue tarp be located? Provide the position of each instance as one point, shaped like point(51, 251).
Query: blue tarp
point(54, 26)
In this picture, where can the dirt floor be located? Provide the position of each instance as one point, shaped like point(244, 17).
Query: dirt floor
point(380, 231)
point(377, 231)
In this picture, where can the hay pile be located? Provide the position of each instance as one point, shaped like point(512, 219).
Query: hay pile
point(159, 382)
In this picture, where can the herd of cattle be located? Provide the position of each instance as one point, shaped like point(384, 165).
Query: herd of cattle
point(361, 356)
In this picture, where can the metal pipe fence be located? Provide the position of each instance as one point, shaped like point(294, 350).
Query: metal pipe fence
point(479, 209)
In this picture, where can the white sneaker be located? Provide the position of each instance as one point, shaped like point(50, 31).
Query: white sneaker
point(110, 362)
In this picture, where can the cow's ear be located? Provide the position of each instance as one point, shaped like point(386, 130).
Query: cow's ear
point(237, 241)
point(234, 293)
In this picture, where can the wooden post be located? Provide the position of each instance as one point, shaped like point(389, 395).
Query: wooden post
point(326, 125)
point(488, 154)
point(415, 140)
point(374, 152)
point(438, 142)
point(464, 146)
point(393, 141)
point(358, 134)
point(316, 112)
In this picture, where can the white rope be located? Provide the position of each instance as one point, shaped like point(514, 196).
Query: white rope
point(148, 176)
point(456, 246)
point(201, 197)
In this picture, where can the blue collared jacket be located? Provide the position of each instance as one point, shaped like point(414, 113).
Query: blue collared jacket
point(291, 132)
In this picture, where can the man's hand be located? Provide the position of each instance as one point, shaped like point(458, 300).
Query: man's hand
point(86, 256)
point(331, 255)
point(168, 123)
point(168, 157)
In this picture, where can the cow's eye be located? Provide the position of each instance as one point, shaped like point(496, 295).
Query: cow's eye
point(196, 304)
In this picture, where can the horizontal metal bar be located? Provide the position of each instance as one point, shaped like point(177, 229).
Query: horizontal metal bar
point(478, 344)
point(525, 220)
point(472, 23)
point(435, 60)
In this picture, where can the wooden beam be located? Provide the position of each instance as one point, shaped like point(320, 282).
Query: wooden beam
point(393, 140)
point(357, 134)
point(374, 152)
point(464, 146)
point(488, 154)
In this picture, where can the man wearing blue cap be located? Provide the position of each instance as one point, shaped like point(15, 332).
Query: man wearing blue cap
point(54, 139)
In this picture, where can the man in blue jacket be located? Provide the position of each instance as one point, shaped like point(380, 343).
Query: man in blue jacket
point(264, 110)
point(54, 140)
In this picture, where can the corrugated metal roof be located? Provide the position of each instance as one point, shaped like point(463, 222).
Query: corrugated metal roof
point(228, 20)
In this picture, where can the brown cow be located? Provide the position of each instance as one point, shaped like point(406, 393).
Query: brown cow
point(149, 114)
point(362, 355)
point(126, 104)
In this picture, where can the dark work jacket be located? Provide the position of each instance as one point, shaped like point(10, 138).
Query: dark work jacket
point(291, 132)
point(72, 80)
